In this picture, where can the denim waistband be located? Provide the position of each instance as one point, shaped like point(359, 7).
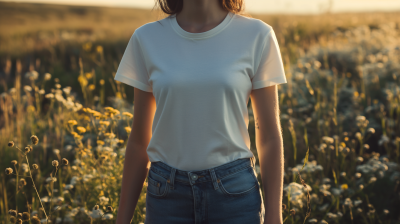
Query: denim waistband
point(211, 174)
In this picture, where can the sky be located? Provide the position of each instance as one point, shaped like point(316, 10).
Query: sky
point(257, 6)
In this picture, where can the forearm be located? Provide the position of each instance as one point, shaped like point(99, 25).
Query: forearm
point(134, 175)
point(271, 162)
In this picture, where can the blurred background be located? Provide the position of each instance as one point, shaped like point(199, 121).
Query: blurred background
point(339, 111)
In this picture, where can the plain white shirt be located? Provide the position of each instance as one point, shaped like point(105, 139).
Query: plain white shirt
point(201, 83)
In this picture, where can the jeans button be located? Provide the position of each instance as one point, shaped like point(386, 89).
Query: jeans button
point(194, 177)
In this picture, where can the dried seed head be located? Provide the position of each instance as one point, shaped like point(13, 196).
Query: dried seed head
point(9, 171)
point(19, 215)
point(372, 210)
point(35, 220)
point(19, 221)
point(35, 166)
point(14, 162)
point(13, 219)
point(34, 139)
point(12, 212)
point(292, 212)
point(109, 209)
point(22, 181)
point(96, 207)
point(283, 206)
point(54, 163)
point(10, 143)
point(26, 216)
point(65, 161)
point(28, 149)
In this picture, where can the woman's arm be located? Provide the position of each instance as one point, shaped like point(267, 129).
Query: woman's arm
point(136, 159)
point(269, 145)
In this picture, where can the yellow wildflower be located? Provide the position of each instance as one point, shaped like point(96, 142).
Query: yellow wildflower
point(88, 75)
point(102, 82)
point(81, 129)
point(99, 49)
point(128, 129)
point(344, 186)
point(109, 109)
point(72, 122)
point(97, 114)
point(127, 114)
point(91, 87)
point(30, 108)
point(82, 80)
point(89, 110)
point(100, 142)
point(106, 123)
point(87, 46)
point(118, 95)
point(109, 135)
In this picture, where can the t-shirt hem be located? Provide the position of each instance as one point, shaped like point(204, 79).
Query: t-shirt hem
point(133, 82)
point(269, 82)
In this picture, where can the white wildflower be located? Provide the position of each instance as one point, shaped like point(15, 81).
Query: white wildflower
point(32, 75)
point(357, 202)
point(24, 167)
point(49, 96)
point(384, 139)
point(67, 90)
point(27, 88)
point(47, 76)
point(51, 179)
point(68, 187)
point(108, 216)
point(328, 139)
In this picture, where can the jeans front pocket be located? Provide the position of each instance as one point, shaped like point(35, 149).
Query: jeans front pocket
point(157, 185)
point(239, 183)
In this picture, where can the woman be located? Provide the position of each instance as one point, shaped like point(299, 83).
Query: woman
point(193, 74)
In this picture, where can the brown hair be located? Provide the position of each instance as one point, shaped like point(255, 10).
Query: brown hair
point(172, 7)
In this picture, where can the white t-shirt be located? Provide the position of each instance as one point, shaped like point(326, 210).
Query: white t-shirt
point(201, 83)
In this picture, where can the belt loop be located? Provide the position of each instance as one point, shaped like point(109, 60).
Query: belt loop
point(172, 178)
point(253, 161)
point(214, 178)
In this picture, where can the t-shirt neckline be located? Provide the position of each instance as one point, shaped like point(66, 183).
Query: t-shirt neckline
point(178, 29)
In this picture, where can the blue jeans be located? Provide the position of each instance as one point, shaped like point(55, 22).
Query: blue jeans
point(229, 193)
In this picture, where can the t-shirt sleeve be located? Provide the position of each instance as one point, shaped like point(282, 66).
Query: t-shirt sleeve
point(270, 69)
point(132, 69)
